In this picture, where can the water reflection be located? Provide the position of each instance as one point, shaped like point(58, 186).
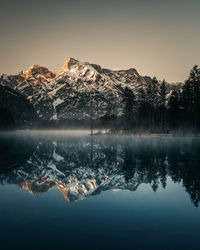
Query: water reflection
point(15, 150)
point(85, 165)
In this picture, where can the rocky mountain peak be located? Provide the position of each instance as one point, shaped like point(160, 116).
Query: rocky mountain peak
point(65, 95)
point(133, 71)
point(69, 64)
point(37, 71)
point(79, 69)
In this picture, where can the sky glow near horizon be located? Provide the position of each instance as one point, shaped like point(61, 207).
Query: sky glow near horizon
point(156, 37)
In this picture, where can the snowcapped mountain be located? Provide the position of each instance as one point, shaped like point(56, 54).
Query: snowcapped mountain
point(76, 87)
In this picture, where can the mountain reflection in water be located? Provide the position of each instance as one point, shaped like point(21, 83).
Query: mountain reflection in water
point(81, 166)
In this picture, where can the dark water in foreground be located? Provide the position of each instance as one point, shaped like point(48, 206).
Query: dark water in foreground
point(73, 191)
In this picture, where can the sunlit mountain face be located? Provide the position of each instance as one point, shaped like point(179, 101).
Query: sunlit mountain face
point(82, 166)
point(68, 93)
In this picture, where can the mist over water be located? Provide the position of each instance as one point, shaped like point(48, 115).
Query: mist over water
point(146, 185)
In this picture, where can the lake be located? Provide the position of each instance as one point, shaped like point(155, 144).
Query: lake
point(70, 190)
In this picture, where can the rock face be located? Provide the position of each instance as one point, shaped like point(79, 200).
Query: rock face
point(36, 72)
point(76, 88)
point(15, 109)
point(71, 92)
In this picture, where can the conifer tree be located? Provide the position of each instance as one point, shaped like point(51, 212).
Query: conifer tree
point(152, 100)
point(174, 108)
point(190, 99)
point(142, 108)
point(129, 100)
point(162, 103)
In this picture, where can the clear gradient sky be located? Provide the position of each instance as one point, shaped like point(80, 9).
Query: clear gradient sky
point(156, 37)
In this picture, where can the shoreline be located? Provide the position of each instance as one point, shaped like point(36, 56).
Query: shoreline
point(87, 132)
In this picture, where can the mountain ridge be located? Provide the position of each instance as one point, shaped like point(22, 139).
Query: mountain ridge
point(70, 92)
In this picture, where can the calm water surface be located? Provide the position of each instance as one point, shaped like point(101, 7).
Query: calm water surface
point(69, 190)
